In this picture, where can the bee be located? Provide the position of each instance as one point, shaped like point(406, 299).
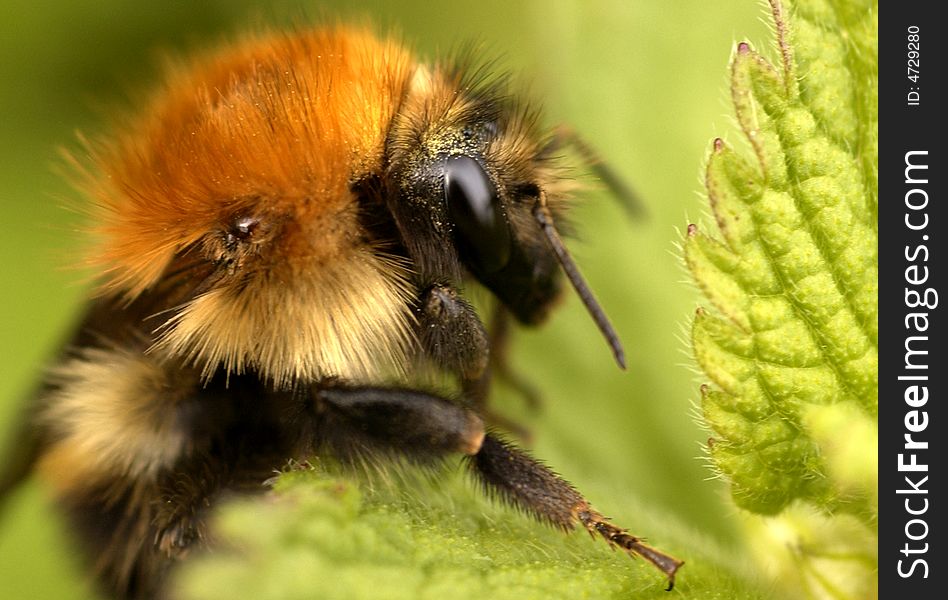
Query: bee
point(284, 239)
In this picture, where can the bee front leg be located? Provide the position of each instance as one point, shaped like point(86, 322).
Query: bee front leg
point(453, 335)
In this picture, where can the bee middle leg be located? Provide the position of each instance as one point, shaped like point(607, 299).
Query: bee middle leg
point(510, 473)
point(500, 331)
point(356, 422)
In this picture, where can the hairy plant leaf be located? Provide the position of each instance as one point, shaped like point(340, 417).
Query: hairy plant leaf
point(324, 536)
point(791, 345)
point(793, 276)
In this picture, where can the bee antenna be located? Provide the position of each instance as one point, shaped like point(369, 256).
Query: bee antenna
point(629, 199)
point(542, 214)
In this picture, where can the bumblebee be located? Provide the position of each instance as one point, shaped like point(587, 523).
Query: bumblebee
point(283, 238)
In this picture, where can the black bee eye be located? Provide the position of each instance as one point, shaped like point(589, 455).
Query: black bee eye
point(477, 213)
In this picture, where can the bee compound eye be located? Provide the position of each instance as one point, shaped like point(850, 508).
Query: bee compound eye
point(477, 213)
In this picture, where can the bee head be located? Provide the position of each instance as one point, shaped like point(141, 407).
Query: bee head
point(478, 190)
point(233, 221)
point(468, 166)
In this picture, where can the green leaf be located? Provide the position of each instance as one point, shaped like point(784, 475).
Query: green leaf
point(322, 535)
point(791, 347)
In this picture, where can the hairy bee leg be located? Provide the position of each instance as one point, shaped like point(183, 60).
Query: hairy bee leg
point(452, 334)
point(415, 424)
point(135, 451)
point(137, 532)
point(522, 481)
point(499, 359)
point(477, 391)
point(183, 498)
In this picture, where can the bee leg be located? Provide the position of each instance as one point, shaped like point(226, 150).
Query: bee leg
point(354, 421)
point(184, 496)
point(452, 334)
point(499, 367)
point(236, 443)
point(136, 531)
point(500, 330)
point(511, 474)
point(454, 337)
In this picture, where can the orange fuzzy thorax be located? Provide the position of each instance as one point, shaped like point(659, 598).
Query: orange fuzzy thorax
point(278, 128)
point(281, 125)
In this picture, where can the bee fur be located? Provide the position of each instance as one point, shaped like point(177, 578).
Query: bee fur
point(284, 239)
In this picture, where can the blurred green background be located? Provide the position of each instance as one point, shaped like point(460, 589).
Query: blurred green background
point(642, 80)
